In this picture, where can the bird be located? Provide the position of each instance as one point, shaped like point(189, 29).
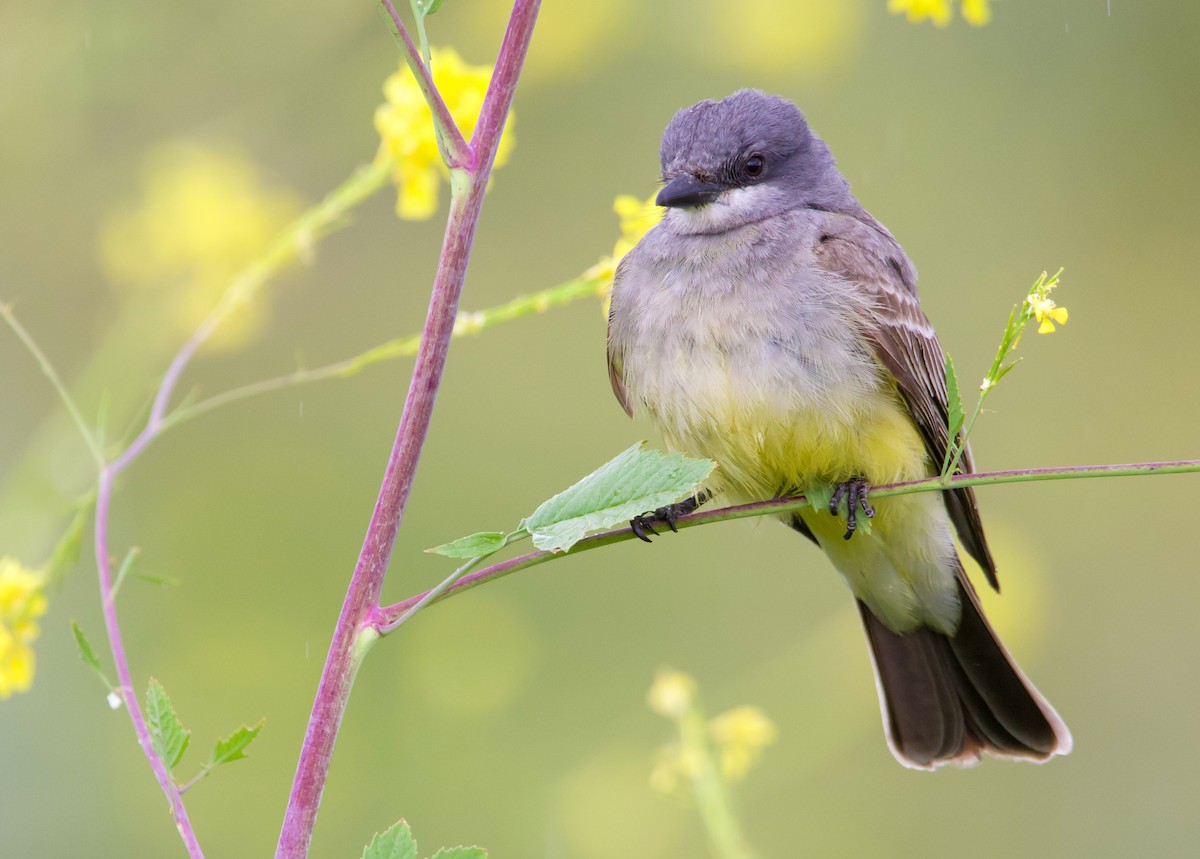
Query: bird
point(770, 323)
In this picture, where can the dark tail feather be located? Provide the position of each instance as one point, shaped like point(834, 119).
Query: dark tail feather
point(949, 700)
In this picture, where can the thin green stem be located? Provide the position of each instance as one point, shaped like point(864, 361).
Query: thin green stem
point(468, 322)
point(779, 506)
point(428, 597)
point(64, 395)
point(713, 799)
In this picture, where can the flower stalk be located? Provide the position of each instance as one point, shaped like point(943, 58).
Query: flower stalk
point(468, 184)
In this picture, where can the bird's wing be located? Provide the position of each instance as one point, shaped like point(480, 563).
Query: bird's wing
point(861, 250)
point(616, 369)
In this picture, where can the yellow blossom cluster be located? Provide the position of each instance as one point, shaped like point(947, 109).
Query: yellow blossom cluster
point(204, 215)
point(941, 12)
point(736, 737)
point(406, 131)
point(22, 602)
point(740, 735)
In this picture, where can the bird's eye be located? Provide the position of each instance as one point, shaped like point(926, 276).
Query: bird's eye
point(754, 166)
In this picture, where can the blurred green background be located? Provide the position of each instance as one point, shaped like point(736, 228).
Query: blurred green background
point(1063, 133)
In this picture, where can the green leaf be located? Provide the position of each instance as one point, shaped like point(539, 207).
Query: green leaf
point(168, 736)
point(428, 7)
point(66, 550)
point(628, 485)
point(394, 843)
point(88, 655)
point(460, 853)
point(818, 496)
point(233, 747)
point(954, 407)
point(126, 565)
point(474, 546)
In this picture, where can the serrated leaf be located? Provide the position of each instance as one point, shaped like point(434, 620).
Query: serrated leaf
point(88, 655)
point(628, 485)
point(168, 736)
point(954, 409)
point(818, 496)
point(473, 546)
point(396, 842)
point(460, 853)
point(233, 747)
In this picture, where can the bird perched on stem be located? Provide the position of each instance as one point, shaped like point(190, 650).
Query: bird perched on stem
point(771, 324)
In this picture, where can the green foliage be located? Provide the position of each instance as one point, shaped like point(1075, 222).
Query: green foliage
point(476, 545)
point(88, 655)
point(66, 550)
point(167, 734)
point(397, 843)
point(233, 747)
point(954, 411)
point(626, 486)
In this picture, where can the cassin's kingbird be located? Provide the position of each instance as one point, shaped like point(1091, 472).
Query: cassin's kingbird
point(770, 323)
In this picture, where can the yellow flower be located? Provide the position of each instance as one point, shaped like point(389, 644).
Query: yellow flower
point(938, 11)
point(637, 217)
point(672, 693)
point(741, 734)
point(203, 216)
point(22, 602)
point(406, 131)
point(1047, 313)
point(976, 12)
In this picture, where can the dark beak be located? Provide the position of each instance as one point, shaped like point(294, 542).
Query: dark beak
point(687, 192)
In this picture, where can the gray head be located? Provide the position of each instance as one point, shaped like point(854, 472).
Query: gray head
point(742, 159)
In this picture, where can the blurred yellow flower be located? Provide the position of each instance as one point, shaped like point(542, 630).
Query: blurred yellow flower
point(406, 131)
point(740, 735)
point(203, 216)
point(791, 38)
point(672, 693)
point(637, 217)
point(976, 12)
point(22, 602)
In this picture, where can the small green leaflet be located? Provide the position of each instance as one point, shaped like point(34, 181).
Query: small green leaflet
point(397, 843)
point(88, 655)
point(66, 550)
point(428, 7)
point(233, 747)
point(954, 415)
point(819, 496)
point(954, 409)
point(628, 485)
point(168, 736)
point(475, 546)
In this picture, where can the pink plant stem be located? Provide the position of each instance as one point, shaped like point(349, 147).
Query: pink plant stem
point(459, 153)
point(116, 643)
point(362, 597)
point(386, 615)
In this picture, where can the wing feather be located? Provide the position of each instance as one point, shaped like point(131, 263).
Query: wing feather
point(861, 249)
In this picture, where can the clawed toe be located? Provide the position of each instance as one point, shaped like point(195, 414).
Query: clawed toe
point(855, 492)
point(641, 525)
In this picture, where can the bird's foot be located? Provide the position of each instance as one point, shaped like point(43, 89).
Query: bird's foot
point(855, 492)
point(643, 525)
